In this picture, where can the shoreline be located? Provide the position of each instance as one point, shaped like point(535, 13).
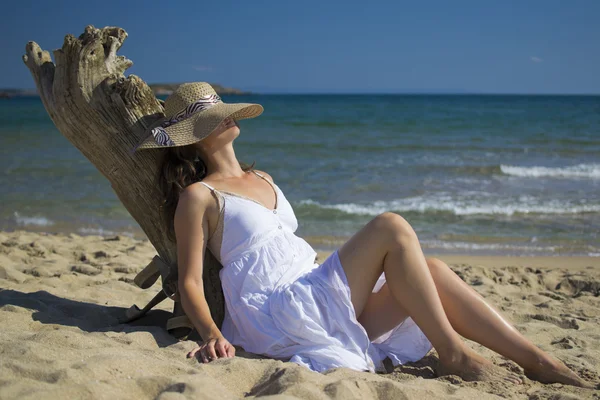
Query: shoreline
point(494, 261)
point(323, 245)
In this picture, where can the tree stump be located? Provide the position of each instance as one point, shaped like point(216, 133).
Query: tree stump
point(104, 114)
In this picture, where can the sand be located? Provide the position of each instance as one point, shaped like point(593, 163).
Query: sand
point(62, 297)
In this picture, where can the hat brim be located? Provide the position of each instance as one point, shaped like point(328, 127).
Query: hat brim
point(200, 125)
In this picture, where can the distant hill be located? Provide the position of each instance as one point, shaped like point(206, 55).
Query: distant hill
point(159, 89)
point(7, 93)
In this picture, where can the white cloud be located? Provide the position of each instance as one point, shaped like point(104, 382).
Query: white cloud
point(203, 68)
point(535, 59)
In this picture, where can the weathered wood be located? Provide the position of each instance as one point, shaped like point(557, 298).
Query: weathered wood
point(134, 312)
point(146, 277)
point(104, 114)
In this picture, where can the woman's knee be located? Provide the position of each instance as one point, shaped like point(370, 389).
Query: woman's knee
point(394, 227)
point(436, 266)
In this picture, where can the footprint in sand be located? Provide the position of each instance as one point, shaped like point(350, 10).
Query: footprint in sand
point(560, 322)
point(566, 342)
point(86, 269)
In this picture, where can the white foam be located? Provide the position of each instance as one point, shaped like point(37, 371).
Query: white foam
point(436, 244)
point(102, 232)
point(475, 204)
point(37, 221)
point(591, 171)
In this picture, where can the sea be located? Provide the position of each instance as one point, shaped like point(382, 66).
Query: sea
point(473, 174)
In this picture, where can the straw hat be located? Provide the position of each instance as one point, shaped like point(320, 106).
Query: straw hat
point(192, 112)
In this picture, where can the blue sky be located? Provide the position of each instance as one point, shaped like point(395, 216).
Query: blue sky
point(332, 46)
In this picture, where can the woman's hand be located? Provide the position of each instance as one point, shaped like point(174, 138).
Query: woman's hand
point(212, 349)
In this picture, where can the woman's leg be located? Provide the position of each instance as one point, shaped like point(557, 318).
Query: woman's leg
point(474, 319)
point(388, 243)
point(382, 313)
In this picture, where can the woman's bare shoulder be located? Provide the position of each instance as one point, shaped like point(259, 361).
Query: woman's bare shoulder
point(195, 192)
point(195, 198)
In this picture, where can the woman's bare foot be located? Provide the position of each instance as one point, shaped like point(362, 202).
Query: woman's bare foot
point(549, 370)
point(470, 366)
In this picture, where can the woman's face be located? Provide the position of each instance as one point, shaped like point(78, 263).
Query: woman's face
point(224, 133)
point(227, 124)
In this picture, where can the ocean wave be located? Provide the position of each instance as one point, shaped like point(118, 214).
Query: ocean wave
point(509, 249)
point(27, 221)
point(446, 203)
point(576, 171)
point(438, 244)
point(351, 146)
point(586, 171)
point(102, 232)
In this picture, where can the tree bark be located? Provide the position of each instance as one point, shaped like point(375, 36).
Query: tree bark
point(104, 114)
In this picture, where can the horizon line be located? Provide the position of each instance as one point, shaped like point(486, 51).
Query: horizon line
point(417, 93)
point(427, 93)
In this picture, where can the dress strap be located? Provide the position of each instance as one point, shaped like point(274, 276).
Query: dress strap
point(262, 176)
point(215, 245)
point(212, 189)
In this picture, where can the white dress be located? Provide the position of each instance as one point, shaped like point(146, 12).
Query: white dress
point(280, 303)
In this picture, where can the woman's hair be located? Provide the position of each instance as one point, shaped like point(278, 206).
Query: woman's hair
point(181, 166)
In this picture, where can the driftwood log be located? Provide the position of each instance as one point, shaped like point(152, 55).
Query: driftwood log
point(104, 114)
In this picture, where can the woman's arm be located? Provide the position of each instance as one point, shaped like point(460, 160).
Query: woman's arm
point(191, 231)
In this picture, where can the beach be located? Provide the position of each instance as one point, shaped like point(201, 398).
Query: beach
point(476, 129)
point(505, 189)
point(62, 297)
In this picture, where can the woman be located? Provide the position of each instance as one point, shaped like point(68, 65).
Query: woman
point(377, 296)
